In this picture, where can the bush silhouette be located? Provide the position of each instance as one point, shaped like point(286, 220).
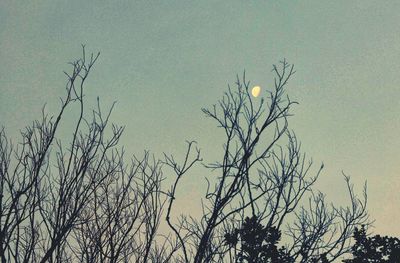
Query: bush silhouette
point(374, 249)
point(258, 243)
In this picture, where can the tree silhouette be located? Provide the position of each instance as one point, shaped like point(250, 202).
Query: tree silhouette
point(81, 200)
point(264, 174)
point(374, 249)
point(78, 201)
point(257, 243)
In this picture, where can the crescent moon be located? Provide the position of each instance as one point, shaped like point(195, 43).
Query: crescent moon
point(255, 91)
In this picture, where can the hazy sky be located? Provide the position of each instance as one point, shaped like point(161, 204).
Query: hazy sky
point(164, 60)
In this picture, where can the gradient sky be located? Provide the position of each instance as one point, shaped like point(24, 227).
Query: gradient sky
point(164, 60)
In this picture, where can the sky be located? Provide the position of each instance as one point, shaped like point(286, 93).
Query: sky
point(162, 61)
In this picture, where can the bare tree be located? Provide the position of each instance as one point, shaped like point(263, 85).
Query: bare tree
point(39, 207)
point(80, 201)
point(262, 178)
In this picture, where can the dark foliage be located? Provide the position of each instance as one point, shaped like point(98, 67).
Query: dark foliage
point(258, 243)
point(374, 249)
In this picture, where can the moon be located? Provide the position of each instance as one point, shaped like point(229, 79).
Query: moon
point(255, 91)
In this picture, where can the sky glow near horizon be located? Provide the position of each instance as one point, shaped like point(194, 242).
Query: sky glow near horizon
point(163, 61)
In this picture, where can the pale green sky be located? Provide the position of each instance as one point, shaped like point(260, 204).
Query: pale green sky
point(164, 60)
